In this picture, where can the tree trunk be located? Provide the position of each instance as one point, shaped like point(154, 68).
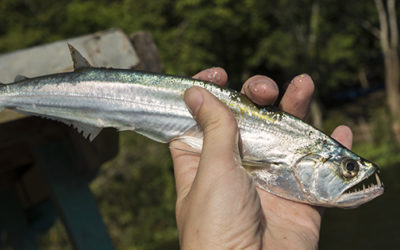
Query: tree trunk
point(392, 90)
point(389, 45)
point(392, 81)
point(362, 76)
point(315, 107)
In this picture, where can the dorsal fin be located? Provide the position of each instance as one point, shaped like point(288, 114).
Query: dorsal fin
point(79, 61)
point(20, 78)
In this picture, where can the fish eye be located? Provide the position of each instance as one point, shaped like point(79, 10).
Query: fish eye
point(349, 168)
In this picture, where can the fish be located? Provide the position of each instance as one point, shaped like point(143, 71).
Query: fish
point(284, 155)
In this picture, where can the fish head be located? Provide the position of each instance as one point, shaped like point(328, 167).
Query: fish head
point(341, 179)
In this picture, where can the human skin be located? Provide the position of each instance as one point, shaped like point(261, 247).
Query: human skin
point(218, 205)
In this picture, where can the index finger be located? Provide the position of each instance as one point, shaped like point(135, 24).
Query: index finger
point(215, 75)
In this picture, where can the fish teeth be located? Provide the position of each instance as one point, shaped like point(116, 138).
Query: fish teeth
point(366, 187)
point(378, 180)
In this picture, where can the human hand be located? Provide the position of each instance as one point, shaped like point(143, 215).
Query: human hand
point(218, 205)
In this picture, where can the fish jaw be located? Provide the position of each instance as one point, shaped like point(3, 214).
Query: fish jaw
point(298, 168)
point(365, 190)
point(323, 182)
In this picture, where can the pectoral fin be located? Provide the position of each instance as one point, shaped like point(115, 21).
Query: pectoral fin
point(194, 138)
point(251, 164)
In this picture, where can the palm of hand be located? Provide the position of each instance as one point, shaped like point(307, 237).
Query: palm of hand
point(221, 208)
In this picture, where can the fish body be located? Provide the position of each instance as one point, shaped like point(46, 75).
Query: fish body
point(284, 155)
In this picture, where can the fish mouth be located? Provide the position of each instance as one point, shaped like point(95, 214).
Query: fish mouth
point(368, 185)
point(362, 192)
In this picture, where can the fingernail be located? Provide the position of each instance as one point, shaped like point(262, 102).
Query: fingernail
point(213, 74)
point(193, 99)
point(261, 85)
point(300, 78)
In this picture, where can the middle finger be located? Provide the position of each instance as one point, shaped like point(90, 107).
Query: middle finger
point(261, 90)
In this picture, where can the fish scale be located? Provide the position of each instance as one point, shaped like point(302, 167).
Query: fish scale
point(284, 155)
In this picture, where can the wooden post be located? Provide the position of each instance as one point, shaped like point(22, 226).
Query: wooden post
point(71, 196)
point(47, 159)
point(67, 161)
point(12, 218)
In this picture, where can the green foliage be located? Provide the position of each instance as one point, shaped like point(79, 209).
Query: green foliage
point(27, 23)
point(384, 154)
point(280, 38)
point(55, 238)
point(136, 194)
point(383, 150)
point(277, 38)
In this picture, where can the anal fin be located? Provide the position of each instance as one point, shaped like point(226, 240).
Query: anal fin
point(87, 130)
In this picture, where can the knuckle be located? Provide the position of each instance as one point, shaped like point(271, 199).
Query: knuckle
point(212, 124)
point(220, 121)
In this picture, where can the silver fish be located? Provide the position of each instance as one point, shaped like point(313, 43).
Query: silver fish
point(284, 155)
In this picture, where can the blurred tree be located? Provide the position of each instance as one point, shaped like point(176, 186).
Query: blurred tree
point(389, 40)
point(280, 38)
point(315, 107)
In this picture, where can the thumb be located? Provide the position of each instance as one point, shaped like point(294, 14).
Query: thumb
point(219, 128)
